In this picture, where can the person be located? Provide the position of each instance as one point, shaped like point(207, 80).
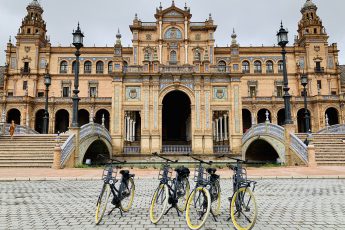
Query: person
point(12, 128)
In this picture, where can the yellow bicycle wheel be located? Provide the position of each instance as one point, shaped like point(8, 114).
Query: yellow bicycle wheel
point(243, 209)
point(102, 203)
point(129, 191)
point(198, 208)
point(183, 190)
point(159, 203)
point(215, 205)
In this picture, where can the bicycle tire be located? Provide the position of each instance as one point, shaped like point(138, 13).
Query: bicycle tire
point(162, 192)
point(206, 198)
point(105, 193)
point(237, 201)
point(182, 206)
point(131, 187)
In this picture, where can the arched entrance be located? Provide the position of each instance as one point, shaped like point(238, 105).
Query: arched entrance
point(262, 152)
point(97, 152)
point(176, 119)
point(301, 121)
point(39, 120)
point(83, 117)
point(333, 116)
point(246, 120)
point(13, 115)
point(99, 115)
point(262, 116)
point(61, 121)
point(281, 117)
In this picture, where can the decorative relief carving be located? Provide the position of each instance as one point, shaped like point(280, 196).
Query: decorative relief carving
point(226, 59)
point(220, 93)
point(262, 58)
point(132, 93)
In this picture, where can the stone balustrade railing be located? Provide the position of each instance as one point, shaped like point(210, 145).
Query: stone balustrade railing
point(340, 128)
point(67, 149)
point(19, 129)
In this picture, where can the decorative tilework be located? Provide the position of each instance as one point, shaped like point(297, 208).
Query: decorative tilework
point(197, 108)
point(132, 93)
point(207, 109)
point(220, 93)
point(237, 109)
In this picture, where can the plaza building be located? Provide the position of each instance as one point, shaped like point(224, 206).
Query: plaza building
point(173, 90)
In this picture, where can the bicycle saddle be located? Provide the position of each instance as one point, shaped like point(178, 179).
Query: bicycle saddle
point(123, 172)
point(182, 171)
point(211, 170)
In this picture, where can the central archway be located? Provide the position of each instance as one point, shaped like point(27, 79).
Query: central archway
point(262, 152)
point(97, 153)
point(176, 119)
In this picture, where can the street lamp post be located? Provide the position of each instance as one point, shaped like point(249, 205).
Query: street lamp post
point(304, 82)
point(47, 82)
point(78, 43)
point(282, 36)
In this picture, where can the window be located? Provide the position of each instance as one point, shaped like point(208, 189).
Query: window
point(334, 93)
point(280, 66)
point(25, 85)
point(221, 66)
point(245, 67)
point(173, 58)
point(269, 67)
point(29, 31)
point(173, 33)
point(65, 92)
point(110, 67)
point(93, 91)
point(26, 67)
point(235, 66)
point(40, 94)
point(10, 94)
point(74, 66)
point(319, 85)
point(279, 91)
point(257, 67)
point(99, 67)
point(87, 67)
point(252, 91)
point(63, 67)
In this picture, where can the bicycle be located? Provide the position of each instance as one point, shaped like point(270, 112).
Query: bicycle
point(173, 191)
point(123, 196)
point(205, 194)
point(243, 208)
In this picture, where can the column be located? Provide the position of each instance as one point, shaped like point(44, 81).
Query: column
point(186, 53)
point(130, 135)
point(127, 129)
point(160, 53)
point(217, 134)
point(225, 127)
point(160, 29)
point(133, 130)
point(221, 128)
point(214, 130)
point(185, 28)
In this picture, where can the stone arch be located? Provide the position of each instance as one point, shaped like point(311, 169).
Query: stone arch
point(246, 119)
point(39, 120)
point(98, 117)
point(301, 121)
point(333, 115)
point(15, 115)
point(182, 88)
point(86, 143)
point(281, 117)
point(261, 116)
point(61, 121)
point(83, 117)
point(264, 149)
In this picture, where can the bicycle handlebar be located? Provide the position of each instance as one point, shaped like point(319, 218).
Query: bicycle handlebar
point(201, 161)
point(117, 161)
point(164, 158)
point(232, 158)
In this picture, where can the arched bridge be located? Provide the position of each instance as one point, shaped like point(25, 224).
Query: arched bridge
point(274, 135)
point(89, 133)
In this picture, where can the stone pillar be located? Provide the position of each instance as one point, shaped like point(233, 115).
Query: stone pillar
point(288, 128)
point(225, 127)
point(221, 128)
point(311, 154)
point(76, 158)
point(57, 155)
point(217, 133)
point(214, 130)
point(133, 130)
point(130, 129)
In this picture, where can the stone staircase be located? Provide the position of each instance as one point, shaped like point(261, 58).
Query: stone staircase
point(329, 148)
point(28, 150)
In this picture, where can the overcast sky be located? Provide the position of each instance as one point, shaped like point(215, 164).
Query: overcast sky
point(255, 22)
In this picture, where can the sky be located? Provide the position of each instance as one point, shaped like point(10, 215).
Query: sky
point(255, 22)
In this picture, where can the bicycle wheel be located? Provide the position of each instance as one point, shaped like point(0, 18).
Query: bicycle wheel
point(215, 194)
point(128, 190)
point(102, 202)
point(183, 189)
point(243, 209)
point(159, 203)
point(198, 208)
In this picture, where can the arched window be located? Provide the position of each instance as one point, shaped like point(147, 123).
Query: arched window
point(87, 67)
point(173, 33)
point(110, 67)
point(99, 67)
point(257, 67)
point(221, 66)
point(63, 67)
point(173, 57)
point(269, 67)
point(245, 67)
point(280, 66)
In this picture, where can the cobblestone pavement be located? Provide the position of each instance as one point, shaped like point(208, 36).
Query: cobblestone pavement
point(283, 204)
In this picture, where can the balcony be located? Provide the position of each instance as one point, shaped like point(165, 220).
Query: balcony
point(176, 69)
point(133, 69)
point(25, 71)
point(319, 69)
point(220, 69)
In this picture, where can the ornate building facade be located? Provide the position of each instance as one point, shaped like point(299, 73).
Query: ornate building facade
point(173, 90)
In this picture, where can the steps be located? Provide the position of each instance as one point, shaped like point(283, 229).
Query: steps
point(28, 150)
point(329, 148)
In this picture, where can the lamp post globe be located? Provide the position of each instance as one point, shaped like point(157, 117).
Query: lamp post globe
point(282, 36)
point(78, 37)
point(47, 82)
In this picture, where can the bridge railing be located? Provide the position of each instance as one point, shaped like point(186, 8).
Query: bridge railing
point(19, 129)
point(299, 147)
point(340, 128)
point(67, 149)
point(94, 129)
